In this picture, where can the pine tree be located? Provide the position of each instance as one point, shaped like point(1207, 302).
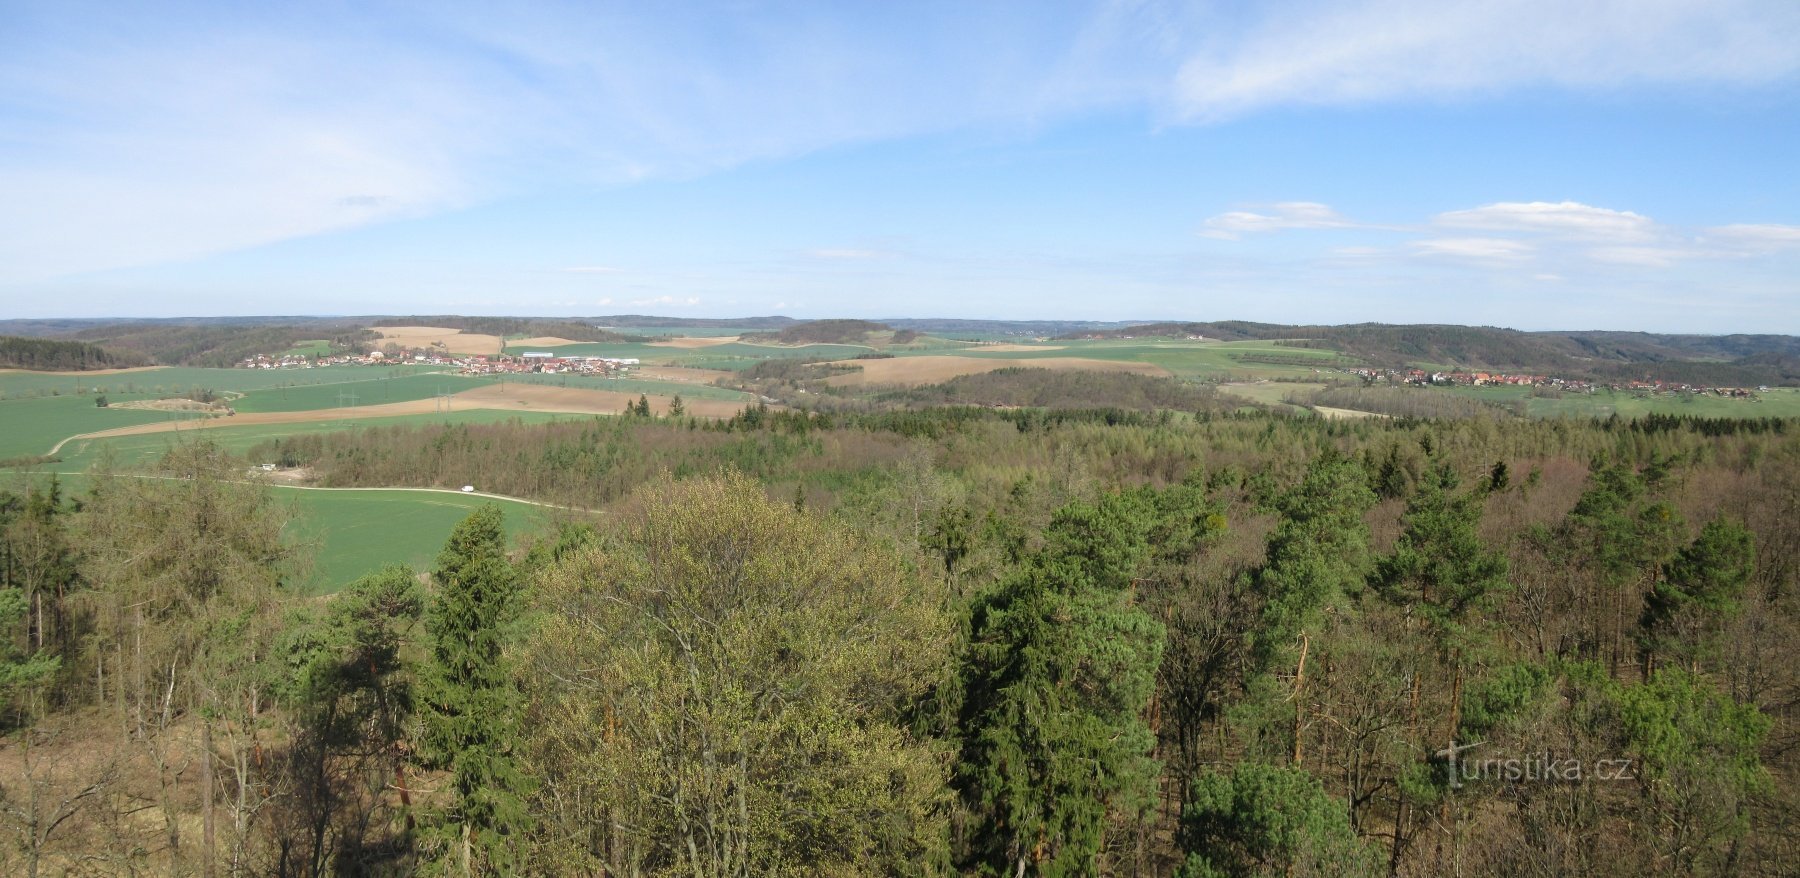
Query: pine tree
point(1060, 669)
point(1260, 819)
point(1705, 582)
point(677, 408)
point(471, 707)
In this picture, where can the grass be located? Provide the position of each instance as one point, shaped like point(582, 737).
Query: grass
point(358, 531)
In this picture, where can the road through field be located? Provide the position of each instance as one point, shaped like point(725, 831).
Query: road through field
point(512, 397)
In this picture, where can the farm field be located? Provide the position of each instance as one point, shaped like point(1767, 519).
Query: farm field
point(913, 371)
point(454, 341)
point(374, 389)
point(1780, 402)
point(132, 450)
point(357, 531)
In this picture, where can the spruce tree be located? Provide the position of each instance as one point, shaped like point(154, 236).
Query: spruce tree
point(471, 706)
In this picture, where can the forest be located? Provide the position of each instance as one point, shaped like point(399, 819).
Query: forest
point(62, 356)
point(930, 640)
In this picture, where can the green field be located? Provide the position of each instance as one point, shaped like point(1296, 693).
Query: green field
point(357, 531)
point(372, 388)
point(33, 426)
point(1780, 402)
point(134, 450)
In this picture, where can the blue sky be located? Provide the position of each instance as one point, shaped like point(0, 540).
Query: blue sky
point(1530, 163)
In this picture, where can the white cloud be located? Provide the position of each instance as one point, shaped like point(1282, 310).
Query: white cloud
point(1283, 215)
point(1337, 53)
point(1476, 249)
point(1755, 236)
point(1562, 218)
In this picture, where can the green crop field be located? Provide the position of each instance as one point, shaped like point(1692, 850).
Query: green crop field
point(373, 388)
point(33, 426)
point(357, 531)
point(134, 450)
point(1780, 402)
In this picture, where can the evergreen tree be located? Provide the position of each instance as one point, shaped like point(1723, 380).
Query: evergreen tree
point(677, 408)
point(1060, 668)
point(1263, 820)
point(470, 706)
point(1705, 581)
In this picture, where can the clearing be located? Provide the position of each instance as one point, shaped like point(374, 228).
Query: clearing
point(934, 369)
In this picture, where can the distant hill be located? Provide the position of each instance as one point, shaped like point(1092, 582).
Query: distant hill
point(50, 355)
point(642, 321)
point(172, 343)
point(1717, 360)
point(834, 332)
point(535, 327)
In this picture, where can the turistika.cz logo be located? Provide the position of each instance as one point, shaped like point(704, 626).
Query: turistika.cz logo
point(1531, 768)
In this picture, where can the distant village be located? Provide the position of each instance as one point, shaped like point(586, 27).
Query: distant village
point(1570, 385)
point(528, 362)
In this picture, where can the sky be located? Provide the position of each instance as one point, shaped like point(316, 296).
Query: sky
point(1538, 164)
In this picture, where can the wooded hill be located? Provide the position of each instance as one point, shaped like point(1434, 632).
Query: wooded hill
point(834, 332)
point(218, 345)
point(573, 330)
point(1709, 359)
point(51, 355)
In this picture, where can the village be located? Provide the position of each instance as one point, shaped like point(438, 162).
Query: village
point(1570, 385)
point(528, 362)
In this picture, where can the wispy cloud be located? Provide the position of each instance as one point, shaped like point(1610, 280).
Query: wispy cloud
point(1280, 216)
point(1336, 53)
point(1561, 218)
point(1479, 249)
point(591, 269)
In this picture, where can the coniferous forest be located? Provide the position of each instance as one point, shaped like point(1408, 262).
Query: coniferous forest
point(943, 641)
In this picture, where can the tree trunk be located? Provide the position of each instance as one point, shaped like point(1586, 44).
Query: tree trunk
point(1299, 684)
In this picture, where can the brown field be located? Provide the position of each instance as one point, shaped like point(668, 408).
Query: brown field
point(684, 374)
point(913, 371)
point(542, 341)
point(509, 397)
point(579, 400)
point(455, 340)
point(706, 342)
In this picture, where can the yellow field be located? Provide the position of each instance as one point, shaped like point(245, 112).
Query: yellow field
point(914, 371)
point(542, 341)
point(455, 340)
point(706, 342)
